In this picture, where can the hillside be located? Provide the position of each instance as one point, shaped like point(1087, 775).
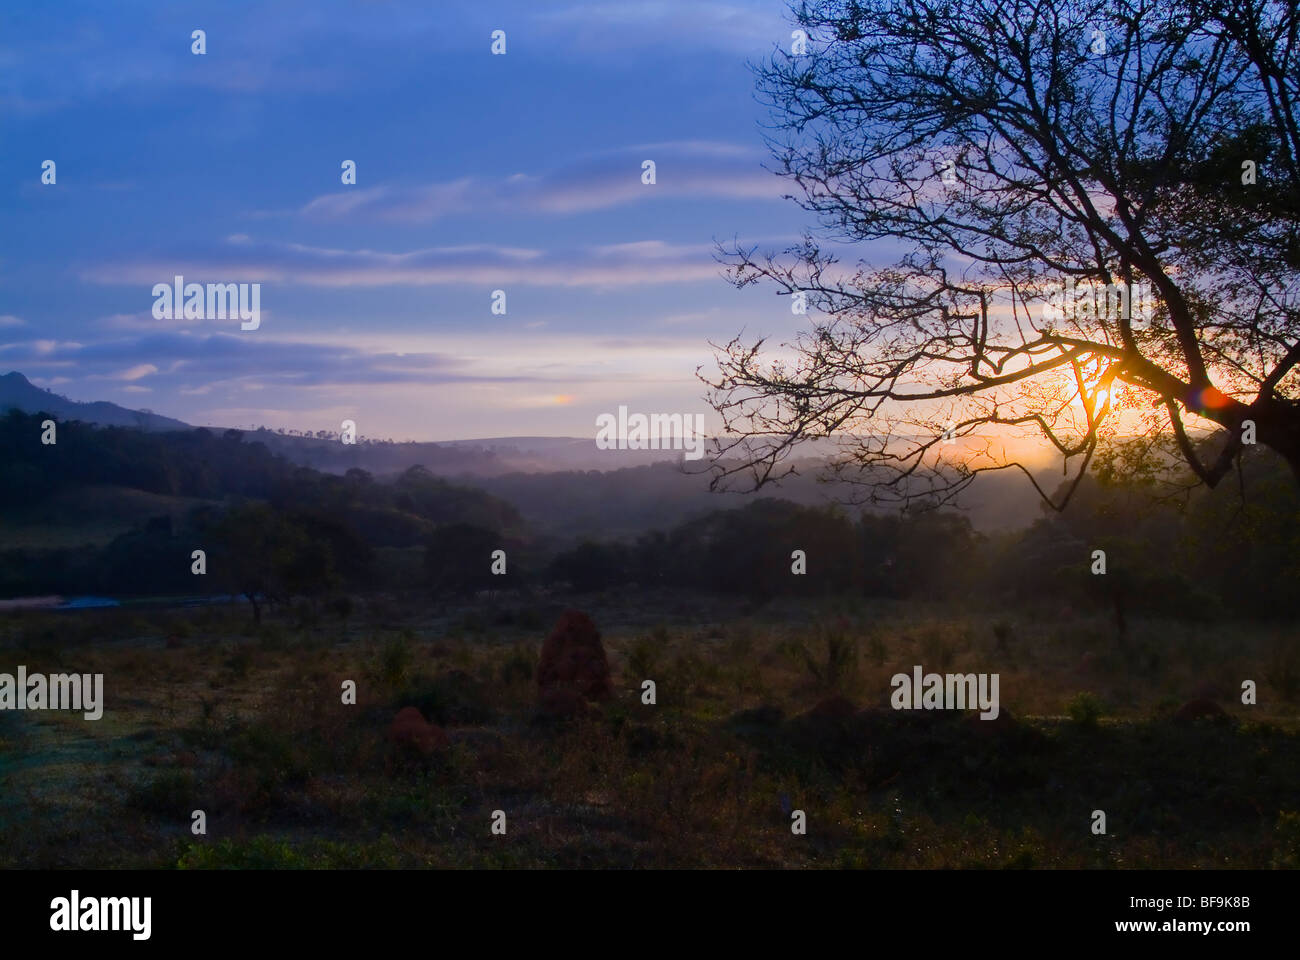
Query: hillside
point(120, 510)
point(19, 393)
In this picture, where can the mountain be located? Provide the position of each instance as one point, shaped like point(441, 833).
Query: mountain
point(17, 392)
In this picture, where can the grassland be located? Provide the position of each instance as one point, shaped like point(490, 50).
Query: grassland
point(246, 722)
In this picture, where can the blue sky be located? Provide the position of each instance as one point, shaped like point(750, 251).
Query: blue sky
point(474, 172)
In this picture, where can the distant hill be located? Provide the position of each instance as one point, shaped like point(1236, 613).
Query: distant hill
point(624, 503)
point(475, 458)
point(565, 486)
point(486, 457)
point(117, 510)
point(19, 393)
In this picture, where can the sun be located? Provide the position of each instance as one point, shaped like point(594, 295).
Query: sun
point(1092, 384)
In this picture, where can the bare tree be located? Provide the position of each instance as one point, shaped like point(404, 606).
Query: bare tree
point(1003, 152)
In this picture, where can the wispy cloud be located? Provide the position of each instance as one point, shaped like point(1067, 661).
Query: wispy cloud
point(244, 260)
point(429, 386)
point(529, 171)
point(192, 360)
point(331, 47)
point(684, 169)
point(137, 372)
point(144, 320)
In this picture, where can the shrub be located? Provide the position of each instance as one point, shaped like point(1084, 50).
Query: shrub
point(395, 661)
point(935, 649)
point(1286, 853)
point(239, 662)
point(171, 794)
point(834, 663)
point(517, 666)
point(643, 658)
point(453, 697)
point(1084, 709)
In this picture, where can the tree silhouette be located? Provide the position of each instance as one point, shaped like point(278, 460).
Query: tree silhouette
point(997, 152)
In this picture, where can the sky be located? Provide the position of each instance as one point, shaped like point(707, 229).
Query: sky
point(475, 172)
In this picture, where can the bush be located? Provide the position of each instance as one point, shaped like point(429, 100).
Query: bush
point(449, 698)
point(240, 661)
point(171, 794)
point(643, 658)
point(395, 661)
point(1084, 709)
point(1286, 854)
point(936, 649)
point(832, 661)
point(517, 666)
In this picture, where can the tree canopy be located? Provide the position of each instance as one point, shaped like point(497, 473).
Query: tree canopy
point(1027, 167)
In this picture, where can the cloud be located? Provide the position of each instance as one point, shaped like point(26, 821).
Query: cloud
point(193, 362)
point(682, 169)
point(136, 372)
point(9, 320)
point(17, 103)
point(330, 47)
point(425, 384)
point(180, 364)
point(246, 261)
point(146, 51)
point(145, 320)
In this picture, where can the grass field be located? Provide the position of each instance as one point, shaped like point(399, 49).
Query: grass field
point(247, 724)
